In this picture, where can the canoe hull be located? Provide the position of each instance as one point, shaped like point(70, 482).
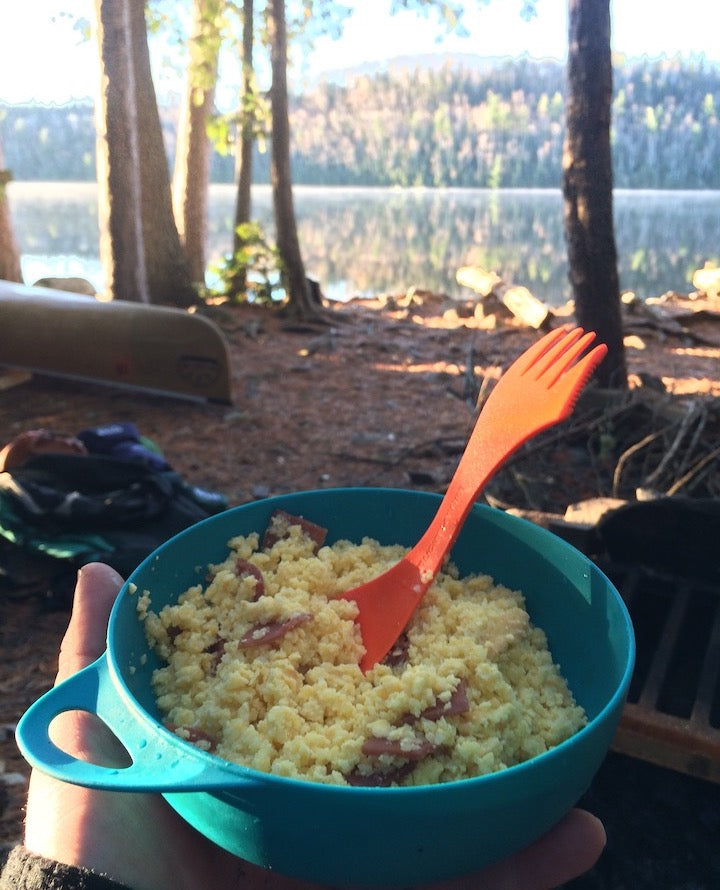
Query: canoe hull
point(122, 343)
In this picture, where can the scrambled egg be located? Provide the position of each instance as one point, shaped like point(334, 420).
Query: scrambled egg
point(260, 667)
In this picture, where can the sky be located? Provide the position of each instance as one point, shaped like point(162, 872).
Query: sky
point(44, 58)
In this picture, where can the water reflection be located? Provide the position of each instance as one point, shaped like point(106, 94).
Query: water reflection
point(367, 241)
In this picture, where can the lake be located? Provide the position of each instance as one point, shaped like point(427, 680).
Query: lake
point(361, 241)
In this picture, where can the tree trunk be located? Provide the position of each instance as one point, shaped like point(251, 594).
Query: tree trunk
point(588, 183)
point(244, 146)
point(121, 243)
point(9, 251)
point(192, 157)
point(168, 278)
point(245, 140)
point(139, 244)
point(301, 303)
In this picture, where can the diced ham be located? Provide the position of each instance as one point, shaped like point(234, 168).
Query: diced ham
point(398, 655)
point(245, 567)
point(281, 521)
point(262, 634)
point(379, 779)
point(217, 650)
point(375, 747)
point(457, 704)
point(194, 734)
point(420, 749)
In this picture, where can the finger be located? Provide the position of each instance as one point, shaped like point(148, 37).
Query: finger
point(568, 850)
point(95, 592)
point(80, 733)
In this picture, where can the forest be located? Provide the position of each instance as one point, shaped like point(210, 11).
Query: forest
point(500, 126)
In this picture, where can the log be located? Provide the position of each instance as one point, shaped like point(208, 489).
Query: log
point(478, 279)
point(525, 307)
point(707, 281)
point(518, 299)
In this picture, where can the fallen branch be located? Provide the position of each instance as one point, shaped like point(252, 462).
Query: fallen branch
point(690, 415)
point(699, 466)
point(627, 454)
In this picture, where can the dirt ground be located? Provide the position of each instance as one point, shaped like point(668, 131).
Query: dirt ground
point(384, 395)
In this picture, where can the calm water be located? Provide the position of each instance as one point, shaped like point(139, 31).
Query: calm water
point(365, 241)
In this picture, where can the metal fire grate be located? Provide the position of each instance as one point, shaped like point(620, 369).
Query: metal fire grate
point(672, 717)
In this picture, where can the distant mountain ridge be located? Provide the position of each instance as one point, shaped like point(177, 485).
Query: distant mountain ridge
point(423, 62)
point(465, 120)
point(468, 62)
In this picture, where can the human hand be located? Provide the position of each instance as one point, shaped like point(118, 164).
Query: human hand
point(139, 840)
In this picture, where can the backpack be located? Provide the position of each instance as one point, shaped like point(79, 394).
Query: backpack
point(60, 511)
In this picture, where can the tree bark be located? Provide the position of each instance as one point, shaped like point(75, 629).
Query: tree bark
point(10, 269)
point(168, 278)
point(588, 184)
point(244, 146)
point(139, 244)
point(192, 157)
point(245, 140)
point(301, 303)
point(121, 243)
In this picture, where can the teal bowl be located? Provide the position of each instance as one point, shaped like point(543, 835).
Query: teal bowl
point(350, 835)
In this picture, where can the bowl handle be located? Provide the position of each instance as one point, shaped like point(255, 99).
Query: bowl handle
point(160, 760)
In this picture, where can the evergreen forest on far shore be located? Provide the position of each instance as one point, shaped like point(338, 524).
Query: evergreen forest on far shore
point(497, 126)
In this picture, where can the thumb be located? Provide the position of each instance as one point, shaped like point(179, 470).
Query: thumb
point(570, 849)
point(96, 589)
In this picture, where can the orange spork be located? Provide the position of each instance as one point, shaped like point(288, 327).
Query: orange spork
point(539, 389)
